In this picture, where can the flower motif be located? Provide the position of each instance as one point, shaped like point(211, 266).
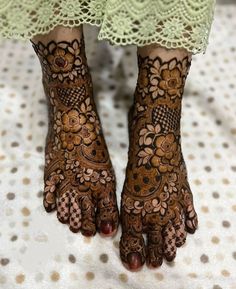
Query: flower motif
point(143, 81)
point(72, 164)
point(147, 208)
point(69, 140)
point(122, 23)
point(72, 121)
point(171, 186)
point(60, 61)
point(187, 197)
point(173, 29)
point(105, 177)
point(147, 134)
point(64, 61)
point(172, 82)
point(88, 134)
point(128, 203)
point(97, 8)
point(71, 8)
point(166, 152)
point(154, 89)
point(54, 179)
point(85, 175)
point(48, 158)
point(145, 155)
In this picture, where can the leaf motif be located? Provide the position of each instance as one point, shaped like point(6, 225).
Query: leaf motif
point(87, 101)
point(141, 141)
point(148, 141)
point(143, 131)
point(71, 50)
point(173, 64)
point(142, 154)
point(149, 151)
point(83, 108)
point(157, 128)
point(150, 127)
point(62, 45)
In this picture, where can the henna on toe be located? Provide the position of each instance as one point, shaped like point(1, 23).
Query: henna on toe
point(79, 178)
point(156, 198)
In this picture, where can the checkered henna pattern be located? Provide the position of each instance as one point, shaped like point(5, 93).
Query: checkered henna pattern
point(79, 178)
point(156, 197)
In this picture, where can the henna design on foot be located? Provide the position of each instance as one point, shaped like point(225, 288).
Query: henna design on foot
point(79, 178)
point(156, 197)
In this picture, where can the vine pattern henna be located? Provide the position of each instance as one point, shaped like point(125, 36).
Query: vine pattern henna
point(79, 178)
point(156, 197)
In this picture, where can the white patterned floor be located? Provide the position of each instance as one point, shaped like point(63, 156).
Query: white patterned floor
point(36, 251)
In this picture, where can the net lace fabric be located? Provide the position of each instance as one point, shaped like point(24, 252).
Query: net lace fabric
point(170, 23)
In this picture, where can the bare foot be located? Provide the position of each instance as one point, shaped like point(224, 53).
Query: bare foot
point(156, 198)
point(79, 178)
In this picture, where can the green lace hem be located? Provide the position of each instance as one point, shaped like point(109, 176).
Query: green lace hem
point(170, 23)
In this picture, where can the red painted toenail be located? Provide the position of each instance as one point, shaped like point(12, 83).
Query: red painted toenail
point(134, 260)
point(106, 227)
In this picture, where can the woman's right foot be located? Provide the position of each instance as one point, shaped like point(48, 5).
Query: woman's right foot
point(79, 178)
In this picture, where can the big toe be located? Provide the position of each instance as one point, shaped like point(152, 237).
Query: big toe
point(107, 218)
point(132, 251)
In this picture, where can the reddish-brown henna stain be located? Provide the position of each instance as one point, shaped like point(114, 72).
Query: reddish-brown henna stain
point(79, 178)
point(156, 197)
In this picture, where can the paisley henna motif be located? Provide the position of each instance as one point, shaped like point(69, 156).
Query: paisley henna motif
point(156, 197)
point(79, 178)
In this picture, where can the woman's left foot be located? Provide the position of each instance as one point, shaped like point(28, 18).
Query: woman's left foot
point(156, 198)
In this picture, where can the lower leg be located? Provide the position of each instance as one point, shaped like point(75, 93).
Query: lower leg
point(79, 179)
point(156, 197)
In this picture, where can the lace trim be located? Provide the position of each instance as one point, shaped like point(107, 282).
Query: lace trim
point(170, 23)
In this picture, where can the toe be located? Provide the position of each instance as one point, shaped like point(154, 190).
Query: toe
point(49, 197)
point(75, 214)
point(132, 251)
point(63, 207)
point(169, 239)
point(154, 248)
point(191, 220)
point(88, 227)
point(107, 217)
point(132, 246)
point(49, 201)
point(180, 231)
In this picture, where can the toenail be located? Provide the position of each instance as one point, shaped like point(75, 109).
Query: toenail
point(106, 227)
point(134, 260)
point(170, 258)
point(157, 263)
point(87, 233)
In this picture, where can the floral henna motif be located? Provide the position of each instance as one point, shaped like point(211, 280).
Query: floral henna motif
point(156, 197)
point(79, 178)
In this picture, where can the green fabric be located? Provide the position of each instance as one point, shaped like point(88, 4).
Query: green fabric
point(171, 23)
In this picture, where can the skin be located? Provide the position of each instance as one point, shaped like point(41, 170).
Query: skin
point(156, 198)
point(79, 178)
